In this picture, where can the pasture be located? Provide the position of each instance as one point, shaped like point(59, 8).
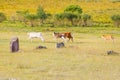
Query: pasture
point(84, 59)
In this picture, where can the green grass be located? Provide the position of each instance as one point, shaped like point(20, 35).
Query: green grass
point(18, 27)
point(84, 59)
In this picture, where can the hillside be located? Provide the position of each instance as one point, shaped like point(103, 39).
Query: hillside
point(100, 10)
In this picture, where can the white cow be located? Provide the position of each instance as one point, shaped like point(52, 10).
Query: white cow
point(35, 35)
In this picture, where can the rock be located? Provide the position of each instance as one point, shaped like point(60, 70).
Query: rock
point(14, 44)
point(60, 45)
point(41, 47)
point(109, 52)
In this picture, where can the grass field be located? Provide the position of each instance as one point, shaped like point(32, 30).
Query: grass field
point(84, 59)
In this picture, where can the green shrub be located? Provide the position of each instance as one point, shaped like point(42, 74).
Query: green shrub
point(116, 19)
point(41, 14)
point(85, 18)
point(2, 17)
point(73, 9)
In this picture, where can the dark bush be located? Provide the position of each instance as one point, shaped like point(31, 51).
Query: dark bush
point(116, 19)
point(2, 17)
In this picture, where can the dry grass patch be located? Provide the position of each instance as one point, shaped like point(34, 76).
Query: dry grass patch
point(84, 59)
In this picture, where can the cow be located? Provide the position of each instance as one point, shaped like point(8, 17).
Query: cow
point(63, 36)
point(107, 37)
point(35, 35)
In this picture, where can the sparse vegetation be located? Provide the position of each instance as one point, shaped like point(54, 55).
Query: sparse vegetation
point(116, 19)
point(84, 59)
point(85, 18)
point(31, 18)
point(100, 10)
point(41, 14)
point(2, 17)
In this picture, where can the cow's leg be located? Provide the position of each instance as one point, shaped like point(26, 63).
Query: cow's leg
point(64, 39)
point(72, 39)
point(42, 38)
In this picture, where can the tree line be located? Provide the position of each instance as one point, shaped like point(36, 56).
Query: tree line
point(71, 16)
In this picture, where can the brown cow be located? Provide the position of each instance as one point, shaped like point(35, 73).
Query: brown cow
point(107, 37)
point(63, 35)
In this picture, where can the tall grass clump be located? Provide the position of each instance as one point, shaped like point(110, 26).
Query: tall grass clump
point(2, 17)
point(116, 19)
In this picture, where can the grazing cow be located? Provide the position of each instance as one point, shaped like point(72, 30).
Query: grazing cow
point(63, 36)
point(107, 37)
point(35, 35)
point(68, 35)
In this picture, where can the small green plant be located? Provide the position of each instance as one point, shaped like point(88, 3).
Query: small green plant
point(70, 16)
point(59, 18)
point(116, 19)
point(2, 17)
point(41, 14)
point(21, 15)
point(31, 18)
point(85, 18)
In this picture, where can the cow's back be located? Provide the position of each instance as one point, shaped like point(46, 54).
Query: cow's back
point(68, 34)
